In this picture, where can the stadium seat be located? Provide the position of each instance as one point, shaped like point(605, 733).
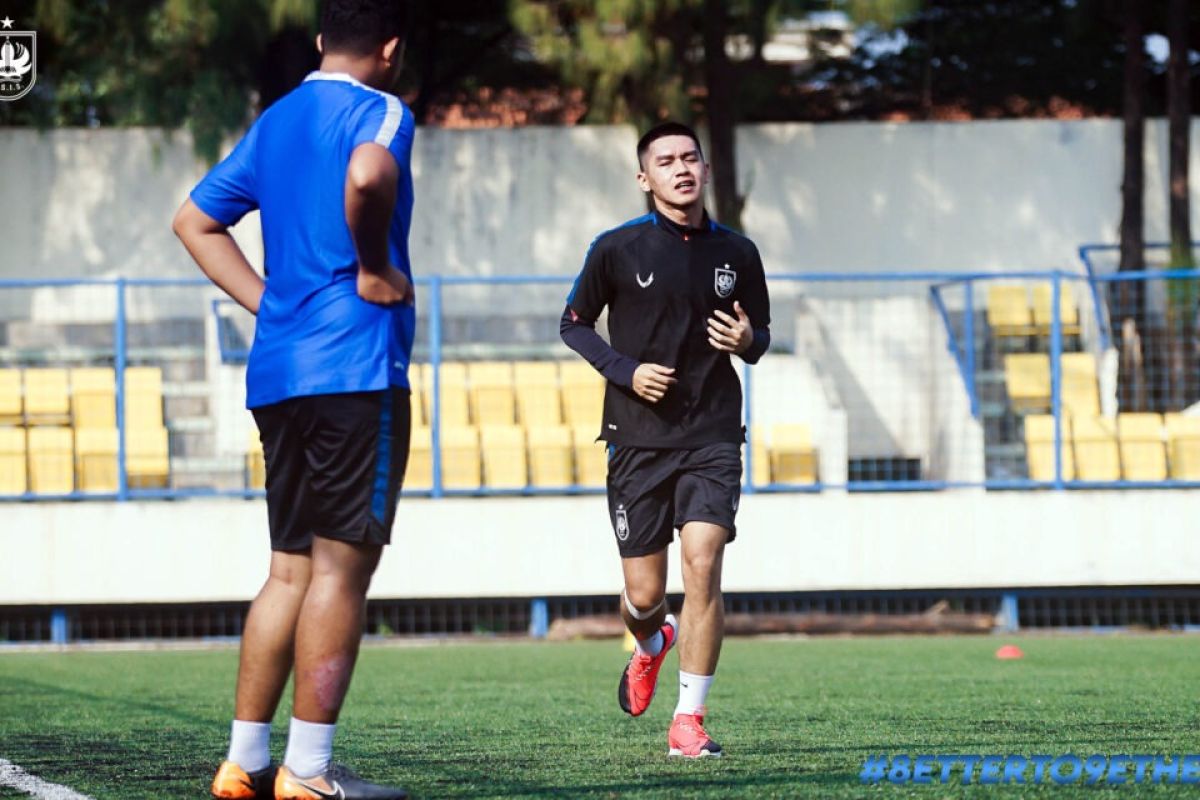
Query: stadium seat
point(51, 460)
point(143, 398)
point(416, 397)
point(591, 458)
point(504, 461)
point(793, 459)
point(1143, 455)
point(94, 398)
point(761, 456)
point(1183, 438)
point(1043, 300)
point(12, 404)
point(256, 463)
point(1080, 392)
point(491, 393)
point(452, 376)
point(1008, 312)
point(147, 457)
point(460, 457)
point(550, 462)
point(1039, 447)
point(96, 460)
point(47, 397)
point(582, 393)
point(1027, 376)
point(538, 400)
point(418, 475)
point(1097, 457)
point(12, 461)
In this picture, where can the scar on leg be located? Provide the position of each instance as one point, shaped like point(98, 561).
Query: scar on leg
point(331, 679)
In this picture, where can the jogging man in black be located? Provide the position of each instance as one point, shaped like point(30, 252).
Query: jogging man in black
point(683, 293)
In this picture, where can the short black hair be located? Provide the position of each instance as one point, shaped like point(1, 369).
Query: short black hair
point(359, 26)
point(665, 129)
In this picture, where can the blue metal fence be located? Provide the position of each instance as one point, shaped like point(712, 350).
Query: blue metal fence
point(859, 366)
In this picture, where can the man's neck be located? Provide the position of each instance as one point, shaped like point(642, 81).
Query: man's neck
point(361, 69)
point(687, 216)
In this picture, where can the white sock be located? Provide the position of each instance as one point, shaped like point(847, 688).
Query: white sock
point(250, 745)
point(309, 748)
point(693, 691)
point(650, 647)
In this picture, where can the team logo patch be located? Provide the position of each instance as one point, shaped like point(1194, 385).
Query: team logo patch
point(622, 524)
point(18, 61)
point(724, 281)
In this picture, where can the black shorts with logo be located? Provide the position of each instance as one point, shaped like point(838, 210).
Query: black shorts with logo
point(652, 492)
point(335, 463)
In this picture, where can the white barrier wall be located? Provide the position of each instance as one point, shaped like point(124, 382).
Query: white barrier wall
point(848, 196)
point(208, 550)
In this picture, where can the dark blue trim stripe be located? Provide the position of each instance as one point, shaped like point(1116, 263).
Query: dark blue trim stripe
point(635, 221)
point(383, 460)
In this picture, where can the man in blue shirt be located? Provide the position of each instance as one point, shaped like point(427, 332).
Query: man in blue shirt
point(329, 168)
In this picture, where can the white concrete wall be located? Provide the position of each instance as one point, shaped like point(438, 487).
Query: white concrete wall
point(853, 196)
point(206, 550)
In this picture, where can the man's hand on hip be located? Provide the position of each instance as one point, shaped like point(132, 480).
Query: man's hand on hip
point(385, 289)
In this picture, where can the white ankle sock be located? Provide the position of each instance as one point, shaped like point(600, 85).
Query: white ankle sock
point(650, 647)
point(693, 691)
point(250, 745)
point(309, 748)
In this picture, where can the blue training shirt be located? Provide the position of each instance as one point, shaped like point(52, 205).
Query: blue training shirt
point(314, 334)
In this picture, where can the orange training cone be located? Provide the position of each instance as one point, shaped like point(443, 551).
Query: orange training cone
point(1009, 651)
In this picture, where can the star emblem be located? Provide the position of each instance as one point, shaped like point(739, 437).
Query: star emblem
point(6, 22)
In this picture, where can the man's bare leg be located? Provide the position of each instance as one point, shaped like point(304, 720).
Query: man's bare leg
point(645, 590)
point(703, 615)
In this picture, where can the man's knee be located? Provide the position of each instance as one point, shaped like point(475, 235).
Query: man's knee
point(643, 601)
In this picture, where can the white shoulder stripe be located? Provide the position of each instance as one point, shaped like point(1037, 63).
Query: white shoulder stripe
point(391, 121)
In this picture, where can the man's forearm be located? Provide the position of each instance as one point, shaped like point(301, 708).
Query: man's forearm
point(584, 340)
point(219, 257)
point(370, 199)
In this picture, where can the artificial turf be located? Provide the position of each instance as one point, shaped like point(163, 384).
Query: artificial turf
point(797, 718)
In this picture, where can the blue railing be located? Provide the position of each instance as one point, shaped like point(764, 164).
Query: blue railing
point(956, 300)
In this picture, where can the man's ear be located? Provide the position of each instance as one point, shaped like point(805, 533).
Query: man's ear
point(320, 46)
point(393, 50)
point(643, 182)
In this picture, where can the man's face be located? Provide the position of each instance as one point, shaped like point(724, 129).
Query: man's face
point(674, 172)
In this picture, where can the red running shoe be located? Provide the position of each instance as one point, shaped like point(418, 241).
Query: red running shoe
point(640, 678)
point(688, 738)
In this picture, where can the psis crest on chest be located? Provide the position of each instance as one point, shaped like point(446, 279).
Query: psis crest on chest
point(724, 281)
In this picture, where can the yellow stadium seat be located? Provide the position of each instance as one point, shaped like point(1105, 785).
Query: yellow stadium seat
point(1143, 455)
point(1027, 376)
point(591, 457)
point(12, 404)
point(1183, 438)
point(504, 460)
point(760, 455)
point(51, 460)
point(582, 393)
point(1043, 301)
point(143, 398)
point(418, 475)
point(460, 457)
point(47, 397)
point(1039, 447)
point(1097, 457)
point(94, 397)
point(491, 393)
point(1008, 312)
point(417, 417)
point(96, 460)
point(538, 400)
point(1080, 389)
point(452, 377)
point(147, 457)
point(12, 461)
point(550, 462)
point(256, 462)
point(793, 459)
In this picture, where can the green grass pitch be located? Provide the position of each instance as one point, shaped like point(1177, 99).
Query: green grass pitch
point(538, 720)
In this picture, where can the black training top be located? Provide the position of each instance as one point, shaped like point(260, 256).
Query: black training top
point(661, 283)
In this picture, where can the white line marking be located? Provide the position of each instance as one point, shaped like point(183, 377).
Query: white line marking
point(13, 776)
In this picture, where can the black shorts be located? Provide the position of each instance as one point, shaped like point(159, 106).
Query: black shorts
point(335, 463)
point(653, 492)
